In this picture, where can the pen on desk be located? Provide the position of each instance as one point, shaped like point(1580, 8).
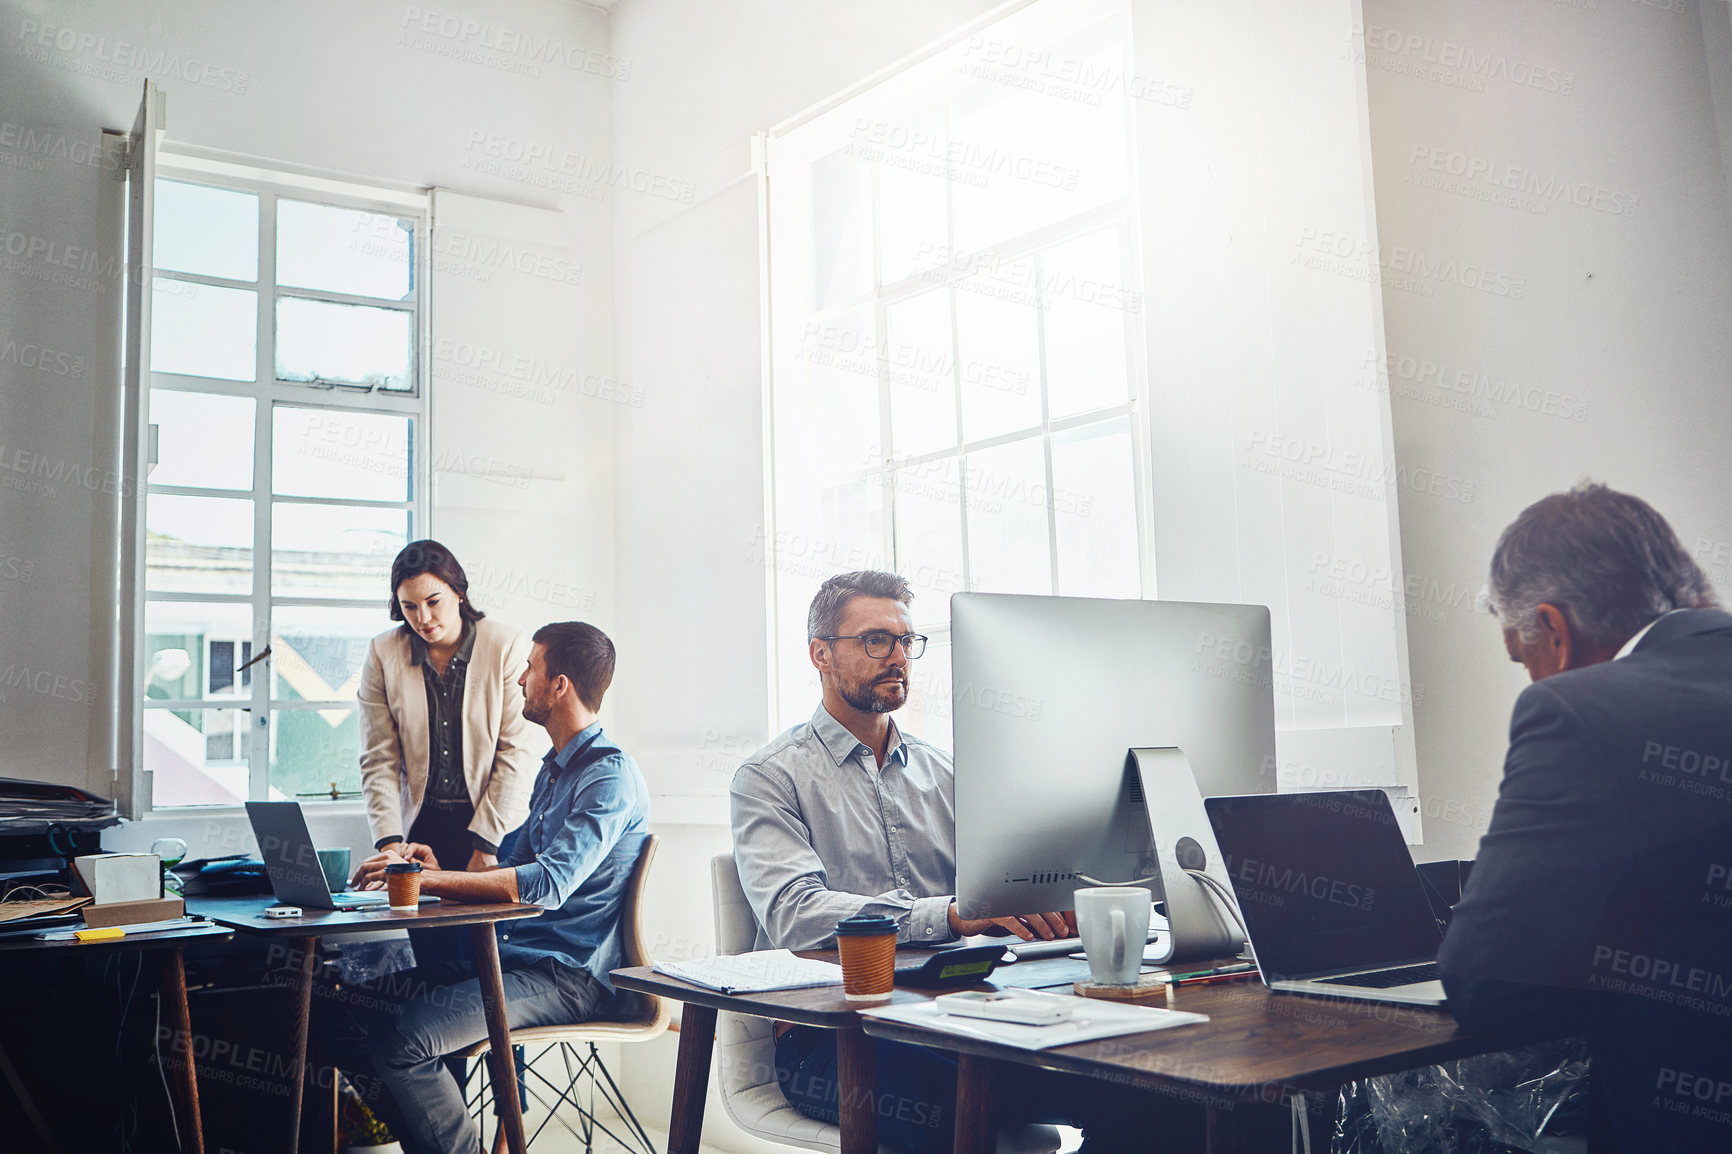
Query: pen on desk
point(1211, 979)
point(1235, 968)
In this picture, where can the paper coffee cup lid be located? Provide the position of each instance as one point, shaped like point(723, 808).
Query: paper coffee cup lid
point(403, 867)
point(863, 924)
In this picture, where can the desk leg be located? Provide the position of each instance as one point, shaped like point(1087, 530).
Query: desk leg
point(172, 985)
point(975, 1131)
point(857, 1081)
point(691, 1078)
point(504, 1067)
point(301, 951)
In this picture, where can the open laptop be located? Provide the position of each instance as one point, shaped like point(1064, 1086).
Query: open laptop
point(287, 850)
point(1331, 901)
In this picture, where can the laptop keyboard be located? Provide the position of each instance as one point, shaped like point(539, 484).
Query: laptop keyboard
point(1387, 979)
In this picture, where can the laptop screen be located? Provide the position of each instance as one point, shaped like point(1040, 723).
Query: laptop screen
point(1324, 880)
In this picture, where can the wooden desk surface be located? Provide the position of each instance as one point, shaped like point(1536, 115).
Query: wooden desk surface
point(154, 940)
point(249, 914)
point(1256, 1045)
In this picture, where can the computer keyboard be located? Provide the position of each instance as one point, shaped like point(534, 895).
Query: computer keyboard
point(1388, 979)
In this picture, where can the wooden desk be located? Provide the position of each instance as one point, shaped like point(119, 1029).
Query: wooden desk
point(856, 1063)
point(1256, 1047)
point(248, 915)
point(172, 984)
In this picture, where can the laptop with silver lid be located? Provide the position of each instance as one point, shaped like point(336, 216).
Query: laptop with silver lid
point(296, 877)
point(1332, 903)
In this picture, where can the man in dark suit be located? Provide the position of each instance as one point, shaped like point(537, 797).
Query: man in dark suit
point(1600, 901)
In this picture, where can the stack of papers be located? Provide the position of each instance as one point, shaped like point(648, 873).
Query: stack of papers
point(32, 806)
point(1094, 1018)
point(754, 972)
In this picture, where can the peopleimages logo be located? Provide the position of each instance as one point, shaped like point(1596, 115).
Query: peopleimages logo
point(1272, 881)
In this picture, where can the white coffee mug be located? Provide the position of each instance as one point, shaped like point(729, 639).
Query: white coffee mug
point(1114, 924)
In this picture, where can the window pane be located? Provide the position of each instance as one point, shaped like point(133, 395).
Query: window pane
point(928, 710)
point(832, 423)
point(1094, 504)
point(198, 544)
point(1084, 298)
point(919, 365)
point(345, 250)
point(999, 345)
point(204, 230)
point(334, 550)
point(191, 650)
point(204, 440)
point(929, 536)
point(1024, 159)
point(196, 756)
point(350, 344)
point(912, 191)
point(841, 230)
point(1007, 542)
point(314, 750)
point(317, 653)
point(339, 453)
point(203, 331)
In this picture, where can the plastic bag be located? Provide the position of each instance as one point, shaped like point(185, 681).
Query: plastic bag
point(1490, 1104)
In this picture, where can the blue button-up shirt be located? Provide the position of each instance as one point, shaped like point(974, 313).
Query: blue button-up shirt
point(588, 817)
point(822, 832)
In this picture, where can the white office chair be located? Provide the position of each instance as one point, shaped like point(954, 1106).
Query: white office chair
point(746, 1051)
point(650, 1021)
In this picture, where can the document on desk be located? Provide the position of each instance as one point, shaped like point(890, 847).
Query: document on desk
point(1095, 1018)
point(754, 973)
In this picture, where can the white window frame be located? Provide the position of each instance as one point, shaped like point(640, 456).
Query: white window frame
point(268, 392)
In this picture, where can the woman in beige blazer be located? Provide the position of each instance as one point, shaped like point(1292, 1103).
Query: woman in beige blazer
point(445, 760)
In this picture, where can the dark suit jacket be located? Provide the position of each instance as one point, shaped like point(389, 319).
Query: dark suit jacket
point(1602, 895)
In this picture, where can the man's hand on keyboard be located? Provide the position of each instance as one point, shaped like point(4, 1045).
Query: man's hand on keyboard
point(1028, 927)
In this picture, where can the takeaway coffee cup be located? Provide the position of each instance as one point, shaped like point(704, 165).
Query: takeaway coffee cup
point(867, 943)
point(403, 884)
point(335, 863)
point(1114, 924)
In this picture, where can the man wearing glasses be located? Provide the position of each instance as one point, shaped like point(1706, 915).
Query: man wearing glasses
point(846, 814)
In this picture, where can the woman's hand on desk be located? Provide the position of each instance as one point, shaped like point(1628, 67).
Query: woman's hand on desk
point(1028, 927)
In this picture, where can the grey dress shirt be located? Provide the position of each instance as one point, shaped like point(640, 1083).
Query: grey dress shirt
point(821, 832)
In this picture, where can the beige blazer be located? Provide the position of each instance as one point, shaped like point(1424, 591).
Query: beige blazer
point(498, 763)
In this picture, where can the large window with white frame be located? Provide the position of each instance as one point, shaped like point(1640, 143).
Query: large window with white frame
point(287, 419)
point(956, 335)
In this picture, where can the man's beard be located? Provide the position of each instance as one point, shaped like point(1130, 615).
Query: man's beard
point(875, 696)
point(535, 712)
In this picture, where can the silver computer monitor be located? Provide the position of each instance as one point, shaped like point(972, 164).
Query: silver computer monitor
point(1049, 695)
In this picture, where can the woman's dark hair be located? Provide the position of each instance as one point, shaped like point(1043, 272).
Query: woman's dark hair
point(418, 557)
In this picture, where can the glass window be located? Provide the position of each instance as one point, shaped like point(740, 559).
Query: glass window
point(206, 230)
point(345, 250)
point(349, 344)
point(203, 330)
point(264, 585)
point(950, 312)
point(204, 440)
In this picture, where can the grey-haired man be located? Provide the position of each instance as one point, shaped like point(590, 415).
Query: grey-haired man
point(1600, 902)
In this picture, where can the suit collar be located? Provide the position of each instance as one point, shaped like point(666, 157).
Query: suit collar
point(1681, 623)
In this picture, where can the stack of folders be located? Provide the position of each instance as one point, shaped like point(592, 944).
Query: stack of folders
point(754, 973)
point(32, 806)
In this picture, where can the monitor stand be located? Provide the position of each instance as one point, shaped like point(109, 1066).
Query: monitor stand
point(1196, 926)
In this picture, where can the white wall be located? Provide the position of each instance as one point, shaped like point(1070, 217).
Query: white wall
point(1621, 318)
point(384, 93)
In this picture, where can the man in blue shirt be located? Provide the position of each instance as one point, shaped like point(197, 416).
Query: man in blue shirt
point(588, 817)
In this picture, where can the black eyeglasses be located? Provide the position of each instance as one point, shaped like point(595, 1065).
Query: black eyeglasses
point(879, 643)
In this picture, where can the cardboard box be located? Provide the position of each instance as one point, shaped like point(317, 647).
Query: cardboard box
point(120, 877)
point(133, 913)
